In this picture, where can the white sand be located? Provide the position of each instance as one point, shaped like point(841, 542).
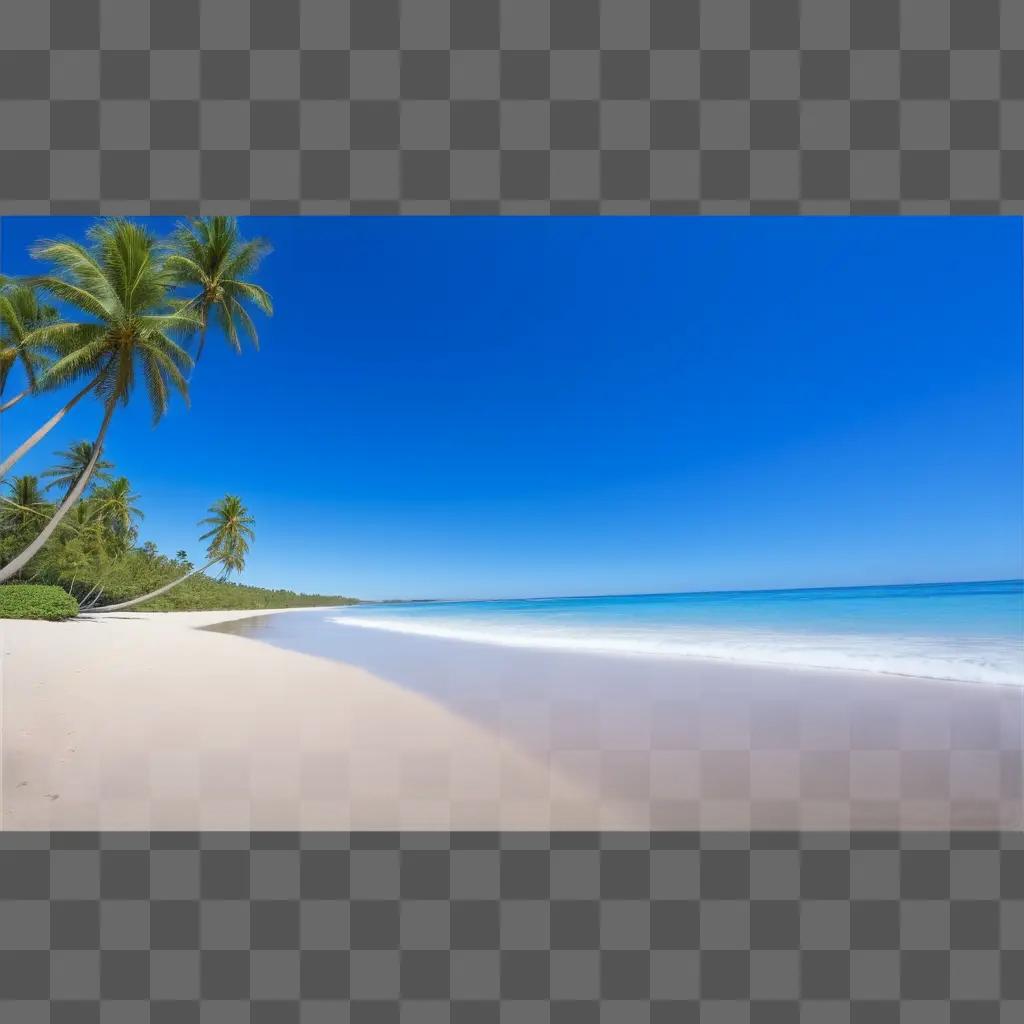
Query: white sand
point(141, 721)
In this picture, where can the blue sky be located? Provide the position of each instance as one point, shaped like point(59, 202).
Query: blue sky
point(460, 407)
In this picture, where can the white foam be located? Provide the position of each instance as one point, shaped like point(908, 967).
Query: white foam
point(968, 659)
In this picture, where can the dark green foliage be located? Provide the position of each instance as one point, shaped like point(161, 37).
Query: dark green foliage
point(140, 571)
point(34, 601)
point(201, 593)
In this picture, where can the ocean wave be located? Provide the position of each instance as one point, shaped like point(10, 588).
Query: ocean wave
point(967, 659)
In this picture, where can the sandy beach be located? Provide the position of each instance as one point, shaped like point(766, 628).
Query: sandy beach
point(155, 721)
point(143, 721)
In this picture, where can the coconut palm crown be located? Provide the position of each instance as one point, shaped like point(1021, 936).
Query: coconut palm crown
point(230, 534)
point(75, 458)
point(122, 286)
point(207, 255)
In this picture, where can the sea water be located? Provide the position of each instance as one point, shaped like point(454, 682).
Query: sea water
point(963, 631)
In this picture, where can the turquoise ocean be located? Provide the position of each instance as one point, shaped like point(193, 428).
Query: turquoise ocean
point(962, 631)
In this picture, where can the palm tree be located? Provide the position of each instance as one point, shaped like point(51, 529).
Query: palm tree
point(122, 285)
point(208, 254)
point(230, 534)
point(114, 507)
point(21, 313)
point(25, 504)
point(76, 458)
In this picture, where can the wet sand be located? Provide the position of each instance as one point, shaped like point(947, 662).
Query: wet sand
point(146, 721)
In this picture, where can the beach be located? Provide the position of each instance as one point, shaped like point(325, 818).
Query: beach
point(254, 721)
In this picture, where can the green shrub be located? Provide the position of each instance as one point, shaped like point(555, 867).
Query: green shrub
point(33, 601)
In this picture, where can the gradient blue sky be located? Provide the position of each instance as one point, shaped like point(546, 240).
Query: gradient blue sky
point(474, 407)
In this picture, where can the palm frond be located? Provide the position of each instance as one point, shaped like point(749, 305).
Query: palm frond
point(253, 293)
point(89, 358)
point(170, 348)
point(178, 321)
point(75, 295)
point(78, 265)
point(184, 269)
point(239, 314)
point(226, 322)
point(157, 361)
point(246, 257)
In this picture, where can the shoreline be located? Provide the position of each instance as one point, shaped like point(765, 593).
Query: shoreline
point(954, 631)
point(164, 720)
point(691, 660)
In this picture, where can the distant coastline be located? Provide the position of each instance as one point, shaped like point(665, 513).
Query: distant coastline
point(203, 593)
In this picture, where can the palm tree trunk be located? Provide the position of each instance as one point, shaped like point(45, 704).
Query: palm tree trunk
point(17, 564)
point(28, 445)
point(155, 593)
point(12, 402)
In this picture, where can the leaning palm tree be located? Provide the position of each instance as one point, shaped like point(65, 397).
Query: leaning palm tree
point(120, 283)
point(21, 313)
point(208, 255)
point(230, 534)
point(76, 457)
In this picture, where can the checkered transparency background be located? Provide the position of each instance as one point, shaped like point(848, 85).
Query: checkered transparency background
point(512, 106)
point(471, 928)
